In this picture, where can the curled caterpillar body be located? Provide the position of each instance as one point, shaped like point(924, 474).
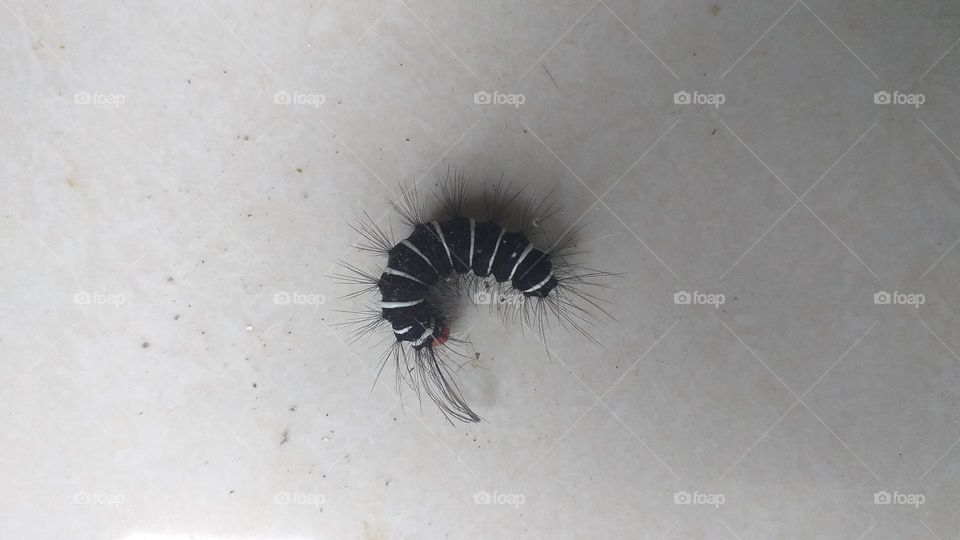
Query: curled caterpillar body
point(443, 254)
point(460, 245)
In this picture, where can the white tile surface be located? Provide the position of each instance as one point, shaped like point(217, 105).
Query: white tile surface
point(156, 199)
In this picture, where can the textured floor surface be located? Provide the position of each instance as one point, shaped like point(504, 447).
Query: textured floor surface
point(779, 181)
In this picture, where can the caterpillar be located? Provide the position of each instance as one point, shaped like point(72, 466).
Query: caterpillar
point(452, 252)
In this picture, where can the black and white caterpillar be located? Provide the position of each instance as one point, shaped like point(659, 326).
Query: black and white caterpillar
point(454, 252)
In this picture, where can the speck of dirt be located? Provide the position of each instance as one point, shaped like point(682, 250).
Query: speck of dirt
point(169, 279)
point(70, 182)
point(254, 385)
point(176, 317)
point(146, 345)
point(285, 437)
point(300, 170)
point(715, 9)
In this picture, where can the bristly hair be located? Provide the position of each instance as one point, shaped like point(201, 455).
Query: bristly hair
point(362, 323)
point(365, 280)
point(500, 201)
point(536, 212)
point(452, 193)
point(428, 370)
point(409, 206)
point(373, 239)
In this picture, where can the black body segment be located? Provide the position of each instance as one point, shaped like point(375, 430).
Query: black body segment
point(402, 258)
point(394, 288)
point(426, 239)
point(508, 252)
point(485, 236)
point(456, 234)
point(418, 317)
point(533, 269)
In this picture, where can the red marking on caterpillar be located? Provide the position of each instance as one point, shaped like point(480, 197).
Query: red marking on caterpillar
point(443, 337)
point(442, 257)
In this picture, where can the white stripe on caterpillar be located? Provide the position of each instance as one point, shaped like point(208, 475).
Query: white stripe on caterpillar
point(395, 272)
point(442, 241)
point(472, 235)
point(402, 330)
point(395, 305)
point(418, 252)
point(523, 256)
point(495, 248)
point(542, 283)
point(423, 337)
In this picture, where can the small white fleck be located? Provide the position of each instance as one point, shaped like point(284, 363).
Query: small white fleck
point(249, 328)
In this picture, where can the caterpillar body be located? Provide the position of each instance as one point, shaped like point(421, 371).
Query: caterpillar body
point(460, 245)
point(443, 257)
